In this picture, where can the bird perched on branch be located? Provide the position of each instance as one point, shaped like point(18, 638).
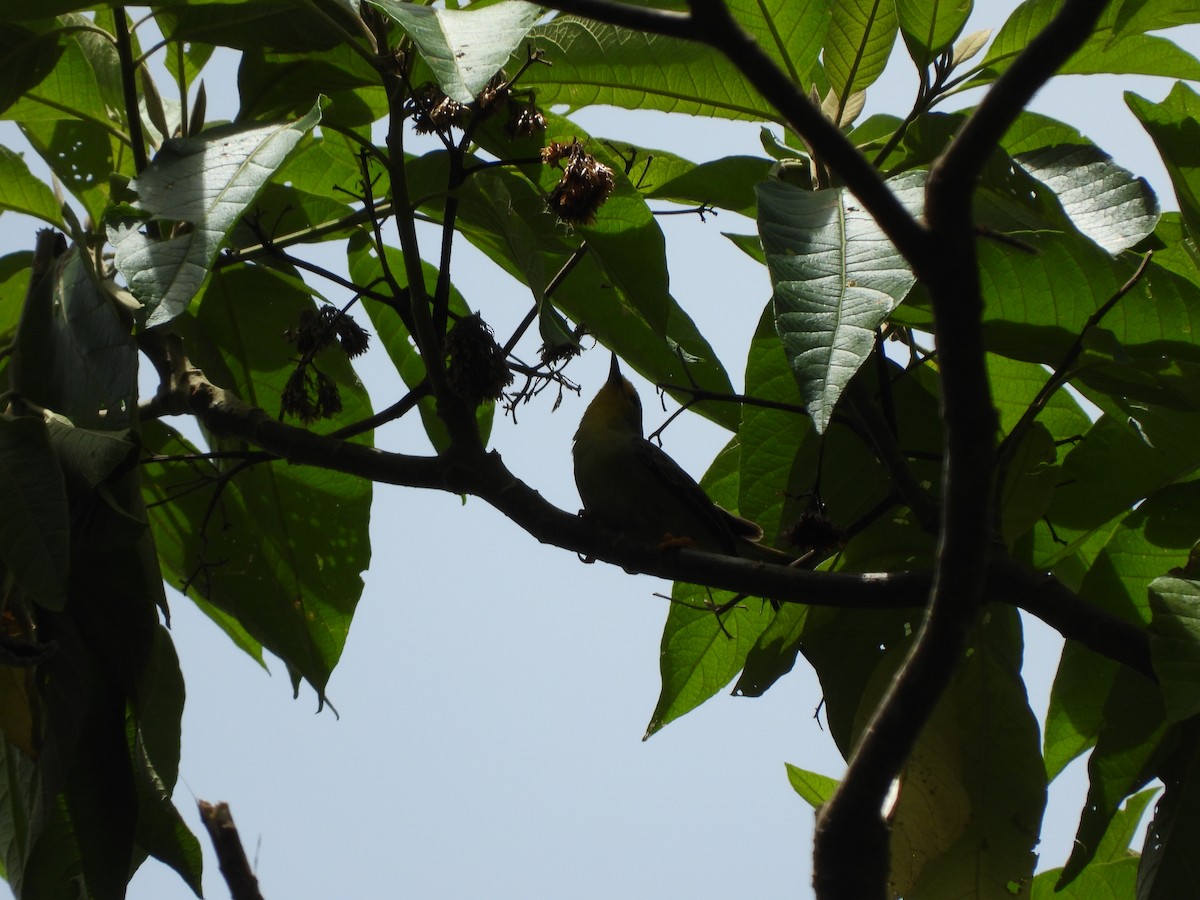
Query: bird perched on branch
point(630, 485)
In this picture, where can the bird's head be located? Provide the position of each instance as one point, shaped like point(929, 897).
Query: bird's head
point(616, 407)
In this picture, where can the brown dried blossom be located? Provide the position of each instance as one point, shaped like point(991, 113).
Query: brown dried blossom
point(584, 186)
point(477, 370)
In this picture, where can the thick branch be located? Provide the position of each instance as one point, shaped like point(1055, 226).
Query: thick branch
point(185, 389)
point(1013, 90)
point(230, 854)
point(851, 848)
point(719, 29)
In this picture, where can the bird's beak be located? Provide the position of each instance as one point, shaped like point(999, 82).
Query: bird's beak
point(614, 371)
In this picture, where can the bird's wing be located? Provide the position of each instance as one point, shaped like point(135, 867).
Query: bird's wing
point(685, 491)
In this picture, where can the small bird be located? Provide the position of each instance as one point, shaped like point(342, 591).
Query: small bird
point(630, 485)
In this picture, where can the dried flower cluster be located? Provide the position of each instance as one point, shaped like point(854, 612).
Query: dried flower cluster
point(525, 121)
point(494, 93)
point(318, 329)
point(434, 112)
point(584, 186)
point(310, 395)
point(477, 370)
point(553, 354)
point(815, 531)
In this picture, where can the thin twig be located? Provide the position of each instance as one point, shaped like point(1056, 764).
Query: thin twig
point(1062, 372)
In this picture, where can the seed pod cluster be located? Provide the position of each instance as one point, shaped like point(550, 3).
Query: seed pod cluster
point(319, 328)
point(310, 395)
point(476, 369)
point(584, 186)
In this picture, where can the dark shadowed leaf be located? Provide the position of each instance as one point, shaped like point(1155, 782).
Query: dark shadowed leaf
point(1174, 125)
point(35, 527)
point(1168, 868)
point(1175, 643)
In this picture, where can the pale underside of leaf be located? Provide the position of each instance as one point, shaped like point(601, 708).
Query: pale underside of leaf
point(1105, 201)
point(207, 182)
point(464, 48)
point(836, 278)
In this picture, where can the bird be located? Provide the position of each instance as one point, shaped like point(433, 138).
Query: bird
point(630, 485)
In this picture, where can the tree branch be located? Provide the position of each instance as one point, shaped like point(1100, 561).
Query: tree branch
point(230, 855)
point(485, 476)
point(851, 849)
point(1033, 67)
point(719, 29)
point(711, 23)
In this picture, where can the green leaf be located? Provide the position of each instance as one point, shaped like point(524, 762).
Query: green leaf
point(274, 85)
point(153, 735)
point(726, 183)
point(657, 72)
point(26, 55)
point(1113, 872)
point(857, 47)
point(21, 192)
point(1127, 751)
point(1104, 201)
point(624, 238)
point(1108, 50)
point(83, 82)
point(1015, 384)
point(836, 278)
point(1029, 484)
point(18, 782)
point(701, 654)
point(1033, 131)
point(35, 528)
point(930, 26)
point(1155, 15)
point(464, 48)
point(294, 26)
point(973, 790)
point(73, 354)
point(83, 155)
point(1038, 303)
point(522, 245)
point(1092, 694)
point(1175, 643)
point(619, 291)
point(774, 653)
point(778, 455)
point(286, 557)
point(1174, 126)
point(1076, 711)
point(207, 181)
point(174, 532)
point(73, 117)
point(1168, 868)
point(814, 788)
point(791, 31)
